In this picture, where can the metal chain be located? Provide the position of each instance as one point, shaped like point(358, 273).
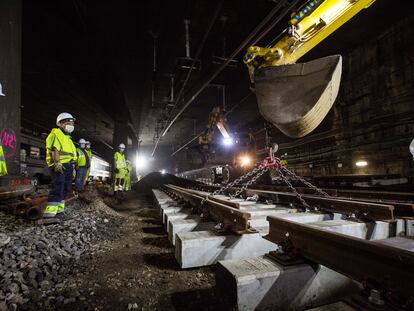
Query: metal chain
point(297, 194)
point(304, 181)
point(250, 182)
point(229, 185)
point(237, 181)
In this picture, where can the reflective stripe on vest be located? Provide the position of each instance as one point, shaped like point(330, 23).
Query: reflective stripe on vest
point(63, 144)
point(3, 166)
point(119, 160)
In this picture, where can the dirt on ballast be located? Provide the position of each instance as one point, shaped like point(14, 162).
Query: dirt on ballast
point(141, 273)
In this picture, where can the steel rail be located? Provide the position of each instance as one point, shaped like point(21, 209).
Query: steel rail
point(208, 196)
point(389, 262)
point(362, 210)
point(401, 209)
point(232, 218)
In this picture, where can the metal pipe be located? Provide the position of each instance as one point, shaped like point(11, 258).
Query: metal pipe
point(154, 57)
point(172, 88)
point(187, 38)
point(223, 89)
point(242, 46)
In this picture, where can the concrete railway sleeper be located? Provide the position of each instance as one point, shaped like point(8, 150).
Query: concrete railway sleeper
point(257, 280)
point(384, 265)
point(231, 217)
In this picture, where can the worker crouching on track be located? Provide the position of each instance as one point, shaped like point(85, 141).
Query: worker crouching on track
point(82, 165)
point(90, 155)
point(127, 182)
point(60, 158)
point(120, 168)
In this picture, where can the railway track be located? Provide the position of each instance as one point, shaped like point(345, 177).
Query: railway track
point(364, 237)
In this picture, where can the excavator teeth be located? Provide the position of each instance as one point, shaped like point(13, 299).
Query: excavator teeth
point(296, 98)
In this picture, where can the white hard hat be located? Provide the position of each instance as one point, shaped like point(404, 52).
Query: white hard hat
point(64, 116)
point(82, 141)
point(88, 142)
point(412, 147)
point(122, 146)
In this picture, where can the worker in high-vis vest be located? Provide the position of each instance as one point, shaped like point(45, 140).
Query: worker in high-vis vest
point(120, 168)
point(61, 155)
point(3, 166)
point(90, 155)
point(82, 165)
point(127, 181)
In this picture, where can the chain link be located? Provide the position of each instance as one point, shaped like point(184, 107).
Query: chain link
point(257, 172)
point(297, 194)
point(305, 182)
point(250, 182)
point(237, 181)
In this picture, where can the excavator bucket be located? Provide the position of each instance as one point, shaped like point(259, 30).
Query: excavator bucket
point(296, 98)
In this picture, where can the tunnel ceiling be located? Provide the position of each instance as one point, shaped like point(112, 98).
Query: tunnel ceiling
point(95, 59)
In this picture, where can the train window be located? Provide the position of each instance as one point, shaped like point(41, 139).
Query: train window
point(34, 152)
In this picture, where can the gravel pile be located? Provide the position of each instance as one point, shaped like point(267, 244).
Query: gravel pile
point(38, 264)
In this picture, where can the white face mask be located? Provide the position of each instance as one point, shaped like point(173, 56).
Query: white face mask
point(69, 128)
point(88, 146)
point(82, 146)
point(121, 150)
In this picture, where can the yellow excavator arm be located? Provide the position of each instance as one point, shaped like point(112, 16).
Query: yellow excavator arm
point(313, 22)
point(216, 118)
point(297, 97)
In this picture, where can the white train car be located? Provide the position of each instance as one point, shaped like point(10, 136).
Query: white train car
point(100, 169)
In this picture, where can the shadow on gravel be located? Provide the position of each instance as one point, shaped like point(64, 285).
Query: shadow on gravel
point(162, 261)
point(153, 221)
point(161, 242)
point(154, 230)
point(200, 300)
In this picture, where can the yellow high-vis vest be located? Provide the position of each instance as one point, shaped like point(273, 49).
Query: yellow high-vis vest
point(81, 157)
point(3, 166)
point(63, 144)
point(119, 160)
point(89, 152)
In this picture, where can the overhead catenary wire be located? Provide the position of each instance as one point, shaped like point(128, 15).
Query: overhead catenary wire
point(197, 55)
point(253, 37)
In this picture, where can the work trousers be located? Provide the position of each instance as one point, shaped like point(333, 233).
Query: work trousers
point(61, 183)
point(80, 177)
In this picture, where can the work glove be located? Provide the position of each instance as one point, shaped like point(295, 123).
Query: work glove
point(58, 167)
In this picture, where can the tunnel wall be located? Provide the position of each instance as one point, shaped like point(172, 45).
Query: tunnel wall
point(373, 117)
point(10, 79)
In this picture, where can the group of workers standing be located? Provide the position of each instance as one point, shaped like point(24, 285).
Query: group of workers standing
point(62, 157)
